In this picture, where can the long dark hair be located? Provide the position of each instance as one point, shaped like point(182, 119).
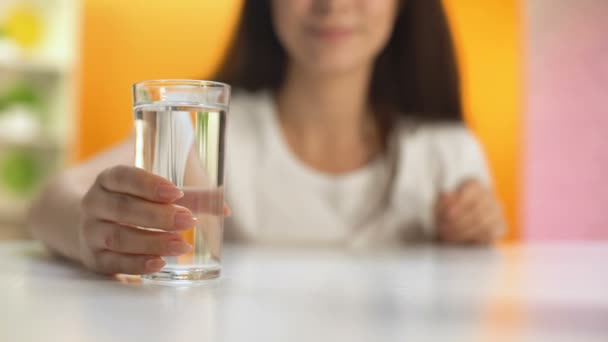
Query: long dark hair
point(416, 74)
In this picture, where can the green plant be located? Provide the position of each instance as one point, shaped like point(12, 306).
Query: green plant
point(21, 93)
point(20, 172)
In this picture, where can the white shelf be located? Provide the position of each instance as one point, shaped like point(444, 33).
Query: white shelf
point(41, 143)
point(50, 69)
point(12, 209)
point(35, 65)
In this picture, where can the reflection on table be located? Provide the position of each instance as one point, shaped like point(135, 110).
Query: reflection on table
point(419, 293)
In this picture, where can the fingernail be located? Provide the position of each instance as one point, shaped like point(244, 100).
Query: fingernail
point(155, 264)
point(227, 211)
point(184, 220)
point(169, 192)
point(178, 248)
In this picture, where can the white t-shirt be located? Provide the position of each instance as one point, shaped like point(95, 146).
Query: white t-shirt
point(276, 198)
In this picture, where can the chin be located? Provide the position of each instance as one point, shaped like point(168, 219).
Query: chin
point(335, 64)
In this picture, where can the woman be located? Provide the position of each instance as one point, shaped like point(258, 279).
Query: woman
point(345, 129)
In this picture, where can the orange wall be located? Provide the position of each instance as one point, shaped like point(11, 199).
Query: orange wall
point(489, 42)
point(127, 41)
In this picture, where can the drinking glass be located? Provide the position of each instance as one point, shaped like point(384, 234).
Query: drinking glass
point(179, 135)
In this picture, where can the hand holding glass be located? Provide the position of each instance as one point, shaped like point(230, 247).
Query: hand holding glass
point(180, 127)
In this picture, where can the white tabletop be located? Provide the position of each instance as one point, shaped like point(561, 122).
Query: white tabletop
point(514, 293)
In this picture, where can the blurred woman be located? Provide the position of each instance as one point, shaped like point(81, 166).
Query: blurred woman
point(345, 130)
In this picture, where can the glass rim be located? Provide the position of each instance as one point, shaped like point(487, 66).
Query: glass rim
point(185, 82)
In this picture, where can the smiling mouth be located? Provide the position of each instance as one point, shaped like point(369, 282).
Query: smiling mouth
point(332, 34)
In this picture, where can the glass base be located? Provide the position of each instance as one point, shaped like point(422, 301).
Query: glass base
point(170, 275)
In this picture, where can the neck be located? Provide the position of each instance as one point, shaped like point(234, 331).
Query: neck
point(327, 121)
point(332, 103)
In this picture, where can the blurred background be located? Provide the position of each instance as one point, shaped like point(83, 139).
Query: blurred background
point(534, 78)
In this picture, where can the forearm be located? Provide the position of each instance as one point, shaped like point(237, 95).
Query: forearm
point(55, 217)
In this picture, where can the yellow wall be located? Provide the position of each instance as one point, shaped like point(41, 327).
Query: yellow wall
point(127, 41)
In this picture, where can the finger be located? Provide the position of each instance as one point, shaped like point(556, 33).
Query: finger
point(104, 235)
point(465, 197)
point(465, 227)
point(469, 216)
point(493, 228)
point(451, 234)
point(484, 228)
point(204, 201)
point(476, 203)
point(126, 209)
point(138, 182)
point(474, 234)
point(447, 230)
point(444, 231)
point(227, 210)
point(461, 200)
point(461, 220)
point(108, 262)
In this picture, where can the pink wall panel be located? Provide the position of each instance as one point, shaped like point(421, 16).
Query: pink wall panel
point(566, 123)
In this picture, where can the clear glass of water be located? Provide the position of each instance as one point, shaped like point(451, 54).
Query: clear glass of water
point(179, 128)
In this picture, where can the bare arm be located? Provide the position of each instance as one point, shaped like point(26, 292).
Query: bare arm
point(96, 214)
point(55, 216)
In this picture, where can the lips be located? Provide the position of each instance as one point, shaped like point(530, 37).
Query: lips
point(332, 33)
